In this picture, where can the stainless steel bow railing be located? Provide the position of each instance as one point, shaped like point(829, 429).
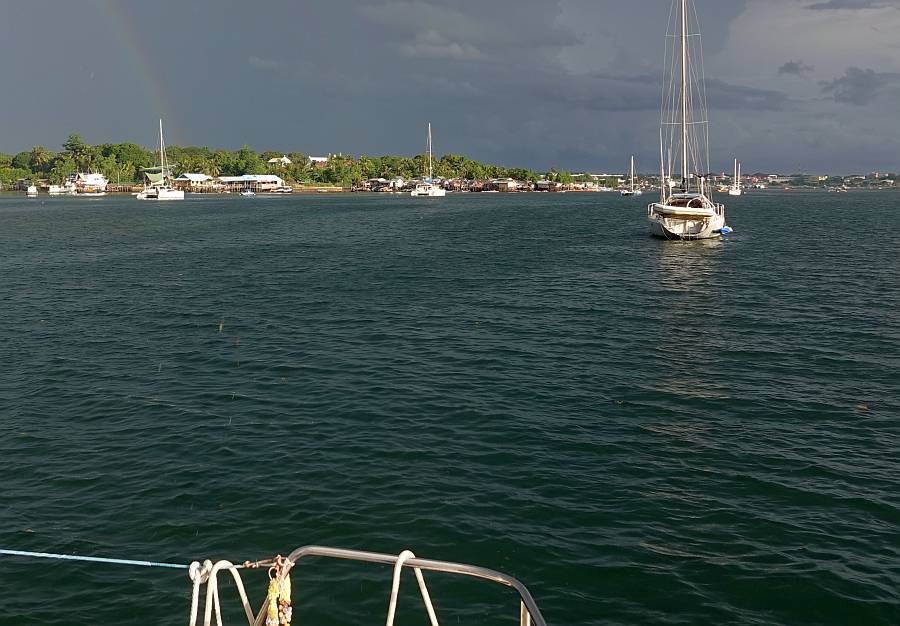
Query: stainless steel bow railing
point(529, 613)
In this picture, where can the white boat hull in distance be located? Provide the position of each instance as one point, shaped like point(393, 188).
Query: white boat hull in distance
point(160, 193)
point(167, 193)
point(734, 192)
point(636, 192)
point(686, 217)
point(428, 191)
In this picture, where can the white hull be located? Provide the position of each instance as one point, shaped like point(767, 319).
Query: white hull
point(160, 193)
point(734, 192)
point(679, 223)
point(636, 192)
point(428, 191)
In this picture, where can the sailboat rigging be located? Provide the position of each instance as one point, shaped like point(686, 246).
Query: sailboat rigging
point(161, 189)
point(685, 209)
point(631, 191)
point(736, 189)
point(427, 187)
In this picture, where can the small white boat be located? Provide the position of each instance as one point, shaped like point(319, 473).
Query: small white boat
point(247, 192)
point(427, 188)
point(631, 191)
point(68, 189)
point(735, 189)
point(87, 184)
point(685, 209)
point(31, 191)
point(161, 189)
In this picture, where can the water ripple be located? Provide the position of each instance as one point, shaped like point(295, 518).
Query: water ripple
point(642, 431)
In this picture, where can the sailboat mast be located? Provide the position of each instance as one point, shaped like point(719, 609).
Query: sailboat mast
point(430, 174)
point(662, 170)
point(632, 173)
point(684, 96)
point(162, 154)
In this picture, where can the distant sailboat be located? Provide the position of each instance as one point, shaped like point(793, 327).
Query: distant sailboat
point(631, 191)
point(685, 209)
point(427, 188)
point(735, 189)
point(161, 189)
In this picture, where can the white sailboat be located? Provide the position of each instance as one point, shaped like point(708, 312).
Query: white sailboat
point(735, 189)
point(685, 209)
point(427, 188)
point(161, 189)
point(631, 191)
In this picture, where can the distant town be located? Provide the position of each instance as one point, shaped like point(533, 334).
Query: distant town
point(126, 167)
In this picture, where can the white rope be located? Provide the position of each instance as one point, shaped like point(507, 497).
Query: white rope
point(208, 573)
point(198, 574)
point(395, 589)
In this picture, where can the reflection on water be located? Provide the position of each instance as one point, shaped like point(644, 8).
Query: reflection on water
point(689, 265)
point(690, 329)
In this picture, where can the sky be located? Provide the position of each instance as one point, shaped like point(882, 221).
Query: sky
point(793, 85)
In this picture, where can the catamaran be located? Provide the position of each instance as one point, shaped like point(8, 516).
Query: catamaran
point(631, 191)
point(735, 189)
point(427, 187)
point(685, 209)
point(161, 189)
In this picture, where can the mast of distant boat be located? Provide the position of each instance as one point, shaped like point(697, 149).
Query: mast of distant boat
point(632, 174)
point(430, 173)
point(162, 155)
point(684, 97)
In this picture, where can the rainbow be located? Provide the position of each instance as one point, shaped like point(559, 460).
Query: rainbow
point(124, 27)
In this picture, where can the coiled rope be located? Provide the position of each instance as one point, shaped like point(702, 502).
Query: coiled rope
point(208, 573)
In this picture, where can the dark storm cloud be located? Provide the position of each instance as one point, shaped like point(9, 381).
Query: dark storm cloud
point(853, 4)
point(795, 68)
point(726, 96)
point(465, 31)
point(538, 83)
point(859, 86)
point(623, 92)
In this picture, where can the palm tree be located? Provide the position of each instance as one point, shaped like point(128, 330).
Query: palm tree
point(40, 157)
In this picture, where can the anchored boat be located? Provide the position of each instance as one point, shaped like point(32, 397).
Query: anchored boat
point(631, 191)
point(685, 209)
point(427, 188)
point(736, 188)
point(161, 189)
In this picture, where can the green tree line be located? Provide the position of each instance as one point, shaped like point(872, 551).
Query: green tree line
point(123, 162)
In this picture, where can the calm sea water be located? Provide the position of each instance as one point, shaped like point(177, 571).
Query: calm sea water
point(644, 432)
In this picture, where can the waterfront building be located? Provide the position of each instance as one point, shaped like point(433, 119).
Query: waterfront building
point(255, 182)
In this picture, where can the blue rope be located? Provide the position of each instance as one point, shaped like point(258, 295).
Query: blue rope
point(94, 559)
